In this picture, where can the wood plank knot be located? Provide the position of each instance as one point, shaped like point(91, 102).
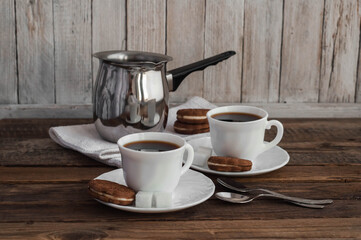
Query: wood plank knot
point(84, 234)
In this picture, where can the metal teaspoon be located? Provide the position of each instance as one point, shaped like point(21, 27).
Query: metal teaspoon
point(239, 198)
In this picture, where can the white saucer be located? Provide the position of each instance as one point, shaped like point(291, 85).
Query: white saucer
point(268, 161)
point(193, 189)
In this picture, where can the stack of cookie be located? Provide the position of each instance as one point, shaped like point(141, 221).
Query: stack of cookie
point(191, 121)
point(111, 192)
point(229, 164)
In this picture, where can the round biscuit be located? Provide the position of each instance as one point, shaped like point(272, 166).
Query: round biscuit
point(192, 116)
point(112, 192)
point(229, 164)
point(184, 128)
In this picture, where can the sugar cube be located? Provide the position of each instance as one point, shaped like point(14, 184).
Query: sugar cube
point(162, 199)
point(201, 155)
point(144, 199)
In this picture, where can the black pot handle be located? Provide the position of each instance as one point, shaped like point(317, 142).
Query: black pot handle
point(176, 76)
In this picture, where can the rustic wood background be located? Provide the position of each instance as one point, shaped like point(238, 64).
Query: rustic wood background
point(302, 51)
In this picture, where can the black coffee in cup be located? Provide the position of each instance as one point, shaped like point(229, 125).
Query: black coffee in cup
point(151, 146)
point(236, 117)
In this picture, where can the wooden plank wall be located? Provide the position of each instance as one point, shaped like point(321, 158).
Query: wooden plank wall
point(108, 27)
point(339, 58)
point(262, 50)
point(182, 35)
point(224, 31)
point(8, 77)
point(304, 51)
point(301, 51)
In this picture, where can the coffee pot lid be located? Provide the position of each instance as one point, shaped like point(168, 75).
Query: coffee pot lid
point(133, 58)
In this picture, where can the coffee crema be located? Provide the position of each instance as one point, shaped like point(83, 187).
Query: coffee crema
point(151, 146)
point(236, 117)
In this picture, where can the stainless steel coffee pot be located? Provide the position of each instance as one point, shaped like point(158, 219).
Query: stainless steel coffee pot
point(132, 89)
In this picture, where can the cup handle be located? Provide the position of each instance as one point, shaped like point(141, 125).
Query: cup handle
point(189, 160)
point(278, 137)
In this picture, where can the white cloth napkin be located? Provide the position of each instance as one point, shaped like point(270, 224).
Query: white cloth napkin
point(86, 140)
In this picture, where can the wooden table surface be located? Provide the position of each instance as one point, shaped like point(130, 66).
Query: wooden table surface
point(43, 190)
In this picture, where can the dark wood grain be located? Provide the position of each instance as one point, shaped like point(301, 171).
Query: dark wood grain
point(299, 130)
point(44, 190)
point(42, 152)
point(41, 192)
point(34, 128)
point(23, 152)
point(214, 209)
point(309, 142)
point(191, 229)
point(50, 174)
point(79, 174)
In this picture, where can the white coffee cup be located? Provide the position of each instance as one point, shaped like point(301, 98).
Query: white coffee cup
point(242, 139)
point(154, 171)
